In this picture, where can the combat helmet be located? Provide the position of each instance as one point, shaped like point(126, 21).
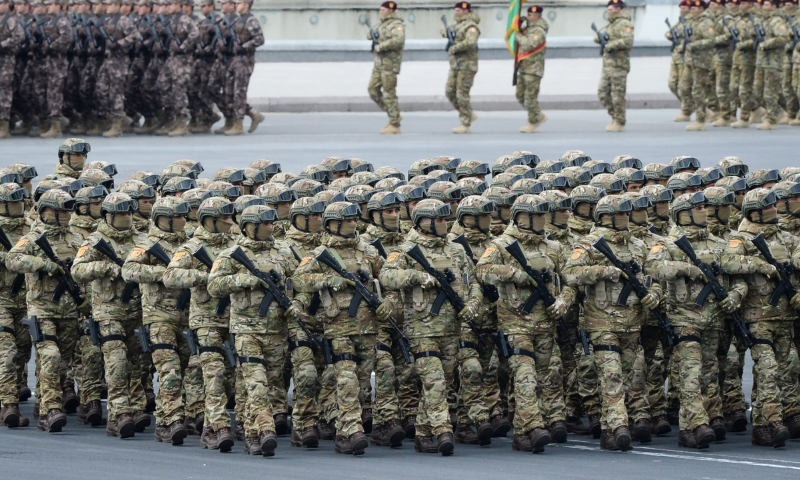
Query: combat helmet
point(337, 213)
point(575, 158)
point(757, 200)
point(787, 172)
point(472, 168)
point(215, 208)
point(192, 165)
point(505, 179)
point(194, 198)
point(445, 191)
point(733, 166)
point(625, 161)
point(115, 203)
point(443, 176)
point(448, 163)
point(147, 177)
point(530, 205)
point(571, 177)
point(365, 178)
point(784, 191)
point(550, 166)
point(658, 172)
point(611, 205)
point(762, 178)
point(480, 209)
point(225, 189)
point(524, 170)
point(471, 186)
point(381, 201)
point(559, 202)
point(529, 186)
point(598, 167)
point(92, 177)
point(431, 209)
point(241, 203)
point(257, 215)
point(423, 181)
point(588, 194)
point(410, 193)
point(169, 207)
point(286, 178)
point(176, 171)
point(683, 181)
point(361, 165)
point(720, 198)
point(528, 158)
point(28, 172)
point(306, 207)
point(70, 147)
point(177, 184)
point(109, 168)
point(341, 184)
point(710, 175)
point(390, 172)
point(13, 193)
point(388, 184)
point(503, 162)
point(609, 182)
point(269, 167)
point(337, 165)
point(58, 200)
point(330, 196)
point(320, 173)
point(686, 202)
point(422, 167)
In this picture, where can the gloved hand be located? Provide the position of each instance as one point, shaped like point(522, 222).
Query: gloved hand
point(339, 283)
point(385, 310)
point(795, 301)
point(469, 313)
point(86, 304)
point(695, 274)
point(607, 273)
point(558, 309)
point(293, 311)
point(732, 302)
point(378, 48)
point(451, 50)
point(596, 40)
point(251, 281)
point(424, 280)
point(520, 278)
point(766, 269)
point(52, 268)
point(650, 301)
point(113, 270)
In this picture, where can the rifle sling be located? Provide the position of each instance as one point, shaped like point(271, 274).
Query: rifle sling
point(163, 346)
point(427, 353)
point(523, 352)
point(347, 356)
point(257, 360)
point(212, 350)
point(468, 344)
point(8, 330)
point(383, 347)
point(111, 338)
point(299, 343)
point(688, 338)
point(607, 348)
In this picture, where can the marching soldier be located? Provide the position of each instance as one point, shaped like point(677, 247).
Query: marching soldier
point(696, 78)
point(246, 36)
point(463, 63)
point(770, 56)
point(12, 38)
point(616, 64)
point(676, 67)
point(530, 61)
point(388, 48)
point(723, 61)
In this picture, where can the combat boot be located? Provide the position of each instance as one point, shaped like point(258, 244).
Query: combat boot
point(176, 432)
point(462, 129)
point(193, 122)
point(683, 117)
point(607, 441)
point(615, 127)
point(236, 129)
point(765, 125)
point(390, 130)
point(124, 427)
point(127, 127)
point(325, 430)
point(268, 442)
point(558, 431)
point(146, 127)
point(238, 431)
point(189, 424)
point(446, 445)
point(643, 431)
point(687, 439)
point(36, 410)
point(78, 125)
point(55, 132)
point(92, 414)
point(379, 436)
point(53, 422)
point(11, 417)
point(736, 421)
point(672, 416)
point(199, 422)
point(200, 126)
point(500, 426)
point(758, 115)
point(711, 115)
point(208, 439)
point(24, 393)
point(4, 133)
point(465, 435)
point(595, 426)
point(697, 126)
point(224, 439)
point(661, 425)
point(718, 425)
point(793, 424)
point(70, 401)
point(472, 117)
point(721, 122)
point(741, 123)
point(395, 433)
point(521, 443)
point(252, 446)
point(783, 119)
point(168, 126)
point(97, 128)
point(529, 128)
point(179, 128)
point(760, 436)
point(794, 123)
point(366, 420)
point(281, 424)
point(576, 426)
point(622, 438)
point(539, 438)
point(308, 438)
point(141, 420)
point(226, 127)
point(425, 444)
point(150, 399)
point(115, 130)
point(342, 445)
point(779, 434)
point(704, 436)
point(255, 118)
point(23, 128)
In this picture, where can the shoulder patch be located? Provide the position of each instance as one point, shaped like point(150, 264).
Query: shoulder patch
point(216, 264)
point(82, 251)
point(178, 256)
point(488, 253)
point(137, 252)
point(577, 253)
point(734, 243)
point(656, 248)
point(305, 260)
point(392, 257)
point(21, 242)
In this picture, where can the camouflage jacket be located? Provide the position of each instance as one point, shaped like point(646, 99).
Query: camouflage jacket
point(700, 49)
point(735, 220)
point(568, 240)
point(478, 243)
point(406, 226)
point(15, 229)
point(586, 267)
point(230, 278)
point(140, 223)
point(532, 48)
point(312, 276)
point(789, 224)
point(794, 11)
point(650, 239)
point(12, 36)
point(741, 261)
point(248, 31)
point(677, 52)
point(720, 231)
point(83, 225)
point(185, 271)
point(185, 30)
point(59, 30)
point(105, 276)
point(281, 227)
point(158, 301)
point(745, 53)
point(723, 41)
point(190, 227)
point(122, 29)
point(303, 244)
point(772, 52)
point(671, 268)
point(464, 53)
point(64, 170)
point(620, 42)
point(391, 40)
point(493, 268)
point(397, 275)
point(26, 257)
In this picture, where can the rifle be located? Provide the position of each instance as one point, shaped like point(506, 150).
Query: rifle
point(94, 330)
point(674, 32)
point(374, 34)
point(98, 24)
point(85, 23)
point(489, 290)
point(28, 35)
point(602, 37)
point(540, 280)
point(151, 25)
point(19, 280)
point(157, 251)
point(73, 20)
point(451, 34)
point(271, 280)
point(501, 340)
point(105, 249)
point(795, 34)
point(217, 34)
point(733, 31)
point(201, 254)
point(143, 334)
point(191, 339)
point(230, 349)
point(760, 34)
point(363, 293)
point(785, 270)
point(630, 269)
point(34, 328)
point(168, 30)
point(66, 281)
point(687, 38)
point(379, 247)
point(444, 278)
point(313, 306)
point(234, 38)
point(713, 285)
point(42, 32)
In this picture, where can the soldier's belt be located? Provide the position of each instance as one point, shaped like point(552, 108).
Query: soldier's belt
point(164, 346)
point(523, 352)
point(84, 332)
point(8, 330)
point(257, 360)
point(427, 353)
point(467, 344)
point(688, 338)
point(383, 347)
point(295, 344)
point(607, 348)
point(212, 350)
point(346, 356)
point(111, 338)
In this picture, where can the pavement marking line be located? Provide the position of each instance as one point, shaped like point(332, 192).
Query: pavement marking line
point(689, 457)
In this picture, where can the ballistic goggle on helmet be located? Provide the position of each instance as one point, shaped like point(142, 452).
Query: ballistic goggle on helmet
point(87, 195)
point(341, 184)
point(241, 203)
point(225, 189)
point(575, 158)
point(28, 172)
point(687, 201)
point(146, 177)
point(423, 167)
point(329, 196)
point(430, 208)
point(685, 162)
point(381, 201)
point(267, 166)
point(365, 178)
point(337, 213)
point(759, 178)
point(445, 191)
point(136, 189)
point(684, 180)
point(423, 181)
point(504, 162)
point(73, 146)
point(361, 165)
point(7, 176)
point(286, 178)
point(733, 167)
point(523, 170)
point(214, 207)
point(443, 176)
point(571, 177)
point(390, 172)
point(58, 200)
point(787, 172)
point(109, 168)
point(257, 214)
point(550, 166)
point(783, 191)
point(657, 193)
point(410, 193)
point(12, 193)
point(612, 205)
point(588, 194)
point(319, 173)
point(529, 186)
point(609, 182)
point(757, 200)
point(196, 196)
point(273, 193)
point(306, 207)
point(448, 163)
point(528, 158)
point(388, 184)
point(710, 175)
point(231, 175)
point(118, 202)
point(359, 194)
point(178, 184)
point(505, 180)
point(472, 168)
point(475, 206)
point(92, 177)
point(598, 167)
point(471, 186)
point(192, 165)
point(733, 184)
point(337, 165)
point(626, 161)
point(176, 170)
point(658, 171)
point(630, 175)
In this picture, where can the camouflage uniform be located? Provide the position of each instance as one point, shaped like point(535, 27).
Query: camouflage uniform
point(463, 65)
point(174, 75)
point(723, 62)
point(88, 76)
point(770, 58)
point(676, 66)
point(744, 65)
point(52, 71)
point(12, 37)
point(388, 57)
point(616, 65)
point(531, 67)
point(696, 81)
point(112, 75)
point(794, 55)
point(240, 67)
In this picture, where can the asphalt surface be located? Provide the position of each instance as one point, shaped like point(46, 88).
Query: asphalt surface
point(295, 141)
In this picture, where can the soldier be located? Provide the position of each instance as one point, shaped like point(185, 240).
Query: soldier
point(51, 72)
point(431, 336)
point(463, 63)
point(163, 320)
point(116, 318)
point(530, 67)
point(388, 48)
point(21, 100)
point(12, 37)
point(753, 281)
point(744, 61)
point(791, 88)
point(14, 337)
point(110, 87)
point(769, 58)
point(246, 35)
point(72, 156)
point(613, 329)
point(696, 78)
point(352, 338)
point(280, 197)
point(616, 64)
point(676, 66)
point(57, 320)
point(360, 195)
point(723, 60)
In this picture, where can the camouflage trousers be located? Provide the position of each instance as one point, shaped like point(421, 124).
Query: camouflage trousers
point(240, 68)
point(7, 63)
point(579, 380)
point(796, 84)
point(504, 382)
point(212, 361)
point(150, 94)
point(528, 95)
point(383, 91)
point(172, 364)
point(389, 373)
point(215, 88)
point(52, 358)
point(700, 400)
point(326, 396)
point(172, 82)
point(473, 366)
point(354, 361)
point(49, 85)
point(774, 400)
point(72, 85)
point(725, 101)
point(201, 106)
point(742, 77)
point(459, 83)
point(528, 410)
point(23, 89)
point(434, 361)
point(549, 383)
point(148, 370)
point(611, 91)
point(656, 359)
point(768, 90)
point(711, 102)
point(88, 81)
point(695, 87)
point(674, 78)
point(790, 96)
point(262, 378)
point(622, 387)
point(133, 86)
point(731, 360)
point(14, 342)
point(90, 371)
point(123, 371)
point(305, 411)
point(240, 395)
point(110, 87)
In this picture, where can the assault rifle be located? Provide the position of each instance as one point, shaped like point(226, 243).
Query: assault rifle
point(191, 339)
point(379, 247)
point(201, 254)
point(105, 249)
point(234, 38)
point(602, 37)
point(785, 271)
point(489, 290)
point(795, 34)
point(271, 280)
point(153, 32)
point(373, 32)
point(217, 34)
point(760, 34)
point(170, 37)
point(687, 38)
point(94, 330)
point(158, 252)
point(230, 349)
point(313, 306)
point(67, 283)
point(34, 327)
point(143, 334)
point(674, 32)
point(451, 34)
point(19, 280)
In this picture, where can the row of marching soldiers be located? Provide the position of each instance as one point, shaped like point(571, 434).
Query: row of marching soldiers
point(108, 67)
point(561, 288)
